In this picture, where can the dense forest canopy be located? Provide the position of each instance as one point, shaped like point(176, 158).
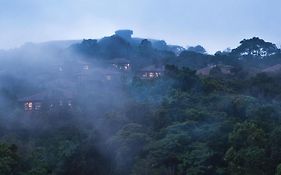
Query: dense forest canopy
point(139, 106)
point(255, 47)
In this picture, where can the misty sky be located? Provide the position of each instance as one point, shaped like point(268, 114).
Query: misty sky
point(215, 24)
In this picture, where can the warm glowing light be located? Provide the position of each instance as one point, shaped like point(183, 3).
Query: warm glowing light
point(37, 106)
point(28, 106)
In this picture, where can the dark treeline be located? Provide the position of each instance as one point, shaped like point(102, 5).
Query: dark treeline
point(181, 123)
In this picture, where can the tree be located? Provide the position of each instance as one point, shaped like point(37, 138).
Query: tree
point(9, 159)
point(255, 47)
point(164, 153)
point(278, 170)
point(197, 160)
point(216, 71)
point(127, 144)
point(197, 49)
point(275, 150)
point(145, 45)
point(247, 154)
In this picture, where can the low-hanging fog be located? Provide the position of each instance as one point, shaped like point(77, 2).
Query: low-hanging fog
point(126, 105)
point(102, 100)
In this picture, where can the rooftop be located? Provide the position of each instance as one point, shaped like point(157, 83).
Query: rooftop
point(48, 95)
point(153, 68)
point(120, 61)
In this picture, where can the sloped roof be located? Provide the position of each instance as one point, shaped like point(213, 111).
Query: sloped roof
point(35, 97)
point(153, 68)
point(109, 72)
point(49, 95)
point(206, 70)
point(273, 69)
point(61, 83)
point(120, 61)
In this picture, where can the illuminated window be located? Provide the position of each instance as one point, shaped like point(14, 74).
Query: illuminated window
point(69, 103)
point(28, 106)
point(126, 66)
point(157, 74)
point(144, 75)
point(37, 106)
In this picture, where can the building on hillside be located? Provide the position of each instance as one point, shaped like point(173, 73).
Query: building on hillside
point(98, 75)
point(121, 64)
point(61, 83)
point(70, 68)
point(151, 72)
point(276, 69)
point(225, 69)
point(47, 100)
point(110, 75)
point(84, 66)
point(79, 66)
point(205, 71)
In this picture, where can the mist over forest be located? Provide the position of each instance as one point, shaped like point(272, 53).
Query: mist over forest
point(123, 105)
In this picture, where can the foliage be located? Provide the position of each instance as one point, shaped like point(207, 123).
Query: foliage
point(180, 123)
point(9, 160)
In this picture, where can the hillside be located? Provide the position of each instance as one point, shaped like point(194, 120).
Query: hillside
point(122, 105)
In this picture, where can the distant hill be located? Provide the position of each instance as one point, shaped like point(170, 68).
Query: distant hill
point(59, 44)
point(156, 44)
point(141, 52)
point(252, 55)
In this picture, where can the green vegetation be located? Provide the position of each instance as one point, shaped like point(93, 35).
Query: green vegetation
point(202, 126)
point(178, 124)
